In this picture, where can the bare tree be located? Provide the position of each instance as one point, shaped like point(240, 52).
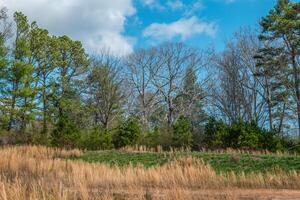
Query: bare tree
point(168, 72)
point(139, 65)
point(238, 92)
point(104, 92)
point(249, 84)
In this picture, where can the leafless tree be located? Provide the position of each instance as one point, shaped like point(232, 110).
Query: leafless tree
point(168, 72)
point(105, 96)
point(139, 65)
point(248, 87)
point(238, 93)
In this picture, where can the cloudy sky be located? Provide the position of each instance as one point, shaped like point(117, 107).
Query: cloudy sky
point(124, 25)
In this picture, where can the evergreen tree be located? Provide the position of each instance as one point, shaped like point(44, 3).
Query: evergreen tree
point(182, 136)
point(4, 62)
point(44, 59)
point(280, 30)
point(71, 63)
point(189, 103)
point(191, 98)
point(20, 76)
point(128, 133)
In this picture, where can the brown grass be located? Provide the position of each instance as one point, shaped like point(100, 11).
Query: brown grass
point(159, 149)
point(31, 172)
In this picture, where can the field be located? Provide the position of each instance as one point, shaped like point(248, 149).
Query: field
point(36, 172)
point(220, 162)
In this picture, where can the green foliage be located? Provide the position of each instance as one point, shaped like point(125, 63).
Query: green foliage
point(120, 158)
point(278, 58)
point(65, 134)
point(212, 129)
point(182, 136)
point(152, 138)
point(239, 135)
point(128, 133)
point(221, 162)
point(96, 139)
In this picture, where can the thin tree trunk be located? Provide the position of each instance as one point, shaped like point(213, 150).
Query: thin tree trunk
point(13, 103)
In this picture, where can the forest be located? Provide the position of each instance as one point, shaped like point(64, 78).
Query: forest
point(172, 95)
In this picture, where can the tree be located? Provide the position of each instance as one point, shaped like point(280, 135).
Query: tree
point(240, 91)
point(271, 76)
point(190, 100)
point(65, 133)
point(105, 97)
point(5, 30)
point(230, 97)
point(168, 72)
point(212, 128)
point(139, 65)
point(280, 29)
point(182, 136)
point(71, 63)
point(128, 133)
point(22, 90)
point(44, 59)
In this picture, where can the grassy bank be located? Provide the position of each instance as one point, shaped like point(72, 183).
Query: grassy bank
point(220, 162)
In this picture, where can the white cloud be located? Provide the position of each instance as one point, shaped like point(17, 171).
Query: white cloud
point(153, 4)
point(183, 28)
point(175, 5)
point(196, 6)
point(98, 23)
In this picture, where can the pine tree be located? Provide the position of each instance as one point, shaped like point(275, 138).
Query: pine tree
point(71, 62)
point(4, 62)
point(43, 56)
point(22, 91)
point(190, 100)
point(182, 136)
point(280, 30)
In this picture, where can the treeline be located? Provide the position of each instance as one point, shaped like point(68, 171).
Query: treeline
point(172, 95)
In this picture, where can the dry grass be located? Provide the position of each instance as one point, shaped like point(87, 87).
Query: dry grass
point(30, 172)
point(159, 149)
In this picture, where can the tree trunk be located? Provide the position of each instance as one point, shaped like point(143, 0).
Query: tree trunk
point(296, 87)
point(13, 103)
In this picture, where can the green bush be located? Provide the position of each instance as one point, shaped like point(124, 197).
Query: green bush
point(65, 133)
point(97, 139)
point(242, 135)
point(127, 133)
point(182, 136)
point(152, 138)
point(214, 129)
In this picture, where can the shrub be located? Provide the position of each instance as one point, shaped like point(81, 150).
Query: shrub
point(246, 135)
point(152, 138)
point(182, 136)
point(213, 129)
point(97, 139)
point(127, 133)
point(65, 133)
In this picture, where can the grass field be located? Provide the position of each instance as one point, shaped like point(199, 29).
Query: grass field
point(36, 172)
point(220, 162)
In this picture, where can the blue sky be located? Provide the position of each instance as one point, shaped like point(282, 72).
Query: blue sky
point(125, 25)
point(227, 17)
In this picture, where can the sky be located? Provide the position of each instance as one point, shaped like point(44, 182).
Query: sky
point(125, 25)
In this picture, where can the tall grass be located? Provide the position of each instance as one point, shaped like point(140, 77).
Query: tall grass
point(36, 172)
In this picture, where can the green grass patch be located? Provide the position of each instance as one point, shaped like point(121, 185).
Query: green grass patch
point(219, 161)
